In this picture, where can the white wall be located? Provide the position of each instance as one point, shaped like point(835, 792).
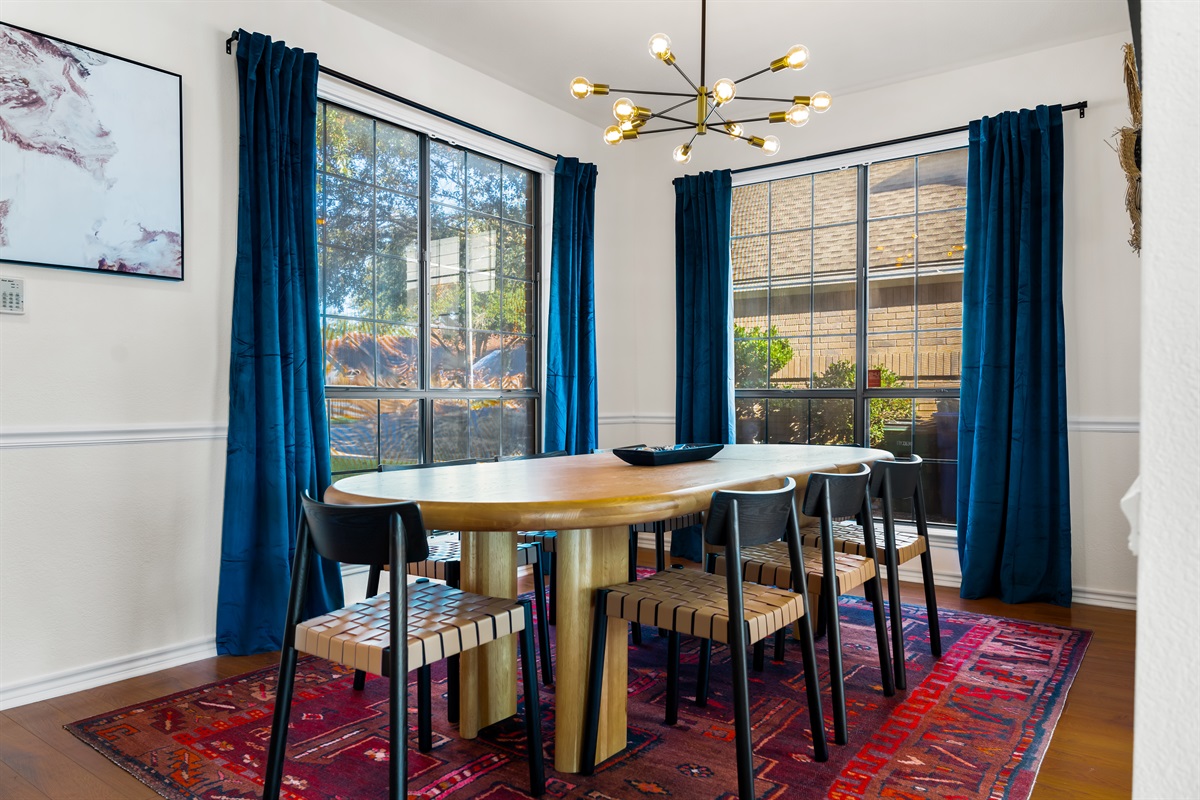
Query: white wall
point(1167, 708)
point(1101, 273)
point(110, 538)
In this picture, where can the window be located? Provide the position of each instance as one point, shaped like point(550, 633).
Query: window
point(848, 311)
point(429, 276)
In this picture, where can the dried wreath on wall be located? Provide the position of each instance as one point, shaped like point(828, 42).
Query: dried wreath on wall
point(1129, 151)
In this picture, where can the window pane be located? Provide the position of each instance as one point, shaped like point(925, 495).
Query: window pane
point(791, 203)
point(518, 203)
point(349, 352)
point(349, 144)
point(831, 421)
point(396, 227)
point(890, 304)
point(398, 290)
point(751, 420)
point(835, 197)
point(750, 359)
point(891, 245)
point(517, 250)
point(517, 306)
point(835, 309)
point(348, 279)
point(892, 188)
point(484, 434)
point(353, 435)
point(484, 185)
point(397, 353)
point(787, 421)
point(519, 425)
point(320, 140)
point(518, 355)
point(935, 439)
point(448, 355)
point(941, 240)
point(749, 259)
point(892, 354)
point(447, 167)
point(791, 256)
point(447, 299)
point(483, 244)
point(486, 359)
point(397, 158)
point(790, 359)
point(890, 422)
point(749, 310)
point(348, 209)
point(835, 252)
point(939, 356)
point(791, 310)
point(943, 179)
point(940, 300)
point(400, 431)
point(486, 301)
point(451, 423)
point(749, 209)
point(833, 362)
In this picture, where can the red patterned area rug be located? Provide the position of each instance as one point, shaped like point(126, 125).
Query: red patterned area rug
point(974, 724)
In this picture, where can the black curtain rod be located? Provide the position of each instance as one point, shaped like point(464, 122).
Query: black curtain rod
point(1080, 106)
point(233, 37)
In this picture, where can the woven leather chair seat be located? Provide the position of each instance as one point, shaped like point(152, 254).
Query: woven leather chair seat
point(672, 524)
point(768, 564)
point(442, 555)
point(697, 604)
point(442, 622)
point(848, 538)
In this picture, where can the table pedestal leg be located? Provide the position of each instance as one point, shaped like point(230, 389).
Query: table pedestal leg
point(589, 559)
point(488, 682)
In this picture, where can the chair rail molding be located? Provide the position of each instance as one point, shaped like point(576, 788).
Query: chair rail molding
point(1082, 424)
point(17, 438)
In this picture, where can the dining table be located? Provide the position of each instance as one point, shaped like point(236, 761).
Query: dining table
point(590, 500)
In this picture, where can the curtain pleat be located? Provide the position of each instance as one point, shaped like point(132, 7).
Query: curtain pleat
point(571, 404)
point(278, 441)
point(1014, 510)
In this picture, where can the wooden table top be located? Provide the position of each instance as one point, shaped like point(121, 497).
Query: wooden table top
point(590, 491)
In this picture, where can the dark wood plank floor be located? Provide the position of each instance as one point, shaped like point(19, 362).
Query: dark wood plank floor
point(1090, 756)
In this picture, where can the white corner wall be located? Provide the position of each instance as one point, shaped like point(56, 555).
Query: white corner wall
point(115, 389)
point(1167, 699)
point(1101, 273)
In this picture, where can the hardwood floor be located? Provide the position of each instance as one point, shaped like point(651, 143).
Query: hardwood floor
point(1090, 755)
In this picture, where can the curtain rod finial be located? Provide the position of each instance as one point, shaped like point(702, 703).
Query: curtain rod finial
point(233, 37)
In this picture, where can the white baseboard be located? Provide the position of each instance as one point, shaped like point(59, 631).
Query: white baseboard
point(33, 690)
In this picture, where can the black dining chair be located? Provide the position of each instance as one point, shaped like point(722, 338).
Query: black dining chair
point(408, 628)
point(700, 604)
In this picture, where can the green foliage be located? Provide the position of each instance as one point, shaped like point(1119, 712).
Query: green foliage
point(757, 355)
point(832, 421)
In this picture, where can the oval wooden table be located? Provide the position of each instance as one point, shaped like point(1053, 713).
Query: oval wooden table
point(590, 500)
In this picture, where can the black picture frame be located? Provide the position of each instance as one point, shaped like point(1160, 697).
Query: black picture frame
point(118, 141)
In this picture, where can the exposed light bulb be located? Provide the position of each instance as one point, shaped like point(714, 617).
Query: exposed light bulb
point(580, 88)
point(625, 125)
point(770, 145)
point(797, 115)
point(723, 91)
point(624, 109)
point(733, 129)
point(682, 154)
point(612, 135)
point(797, 57)
point(820, 102)
point(660, 46)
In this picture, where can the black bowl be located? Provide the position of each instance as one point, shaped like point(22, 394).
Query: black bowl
point(646, 456)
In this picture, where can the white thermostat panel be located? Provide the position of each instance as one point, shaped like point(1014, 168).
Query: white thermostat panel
point(12, 296)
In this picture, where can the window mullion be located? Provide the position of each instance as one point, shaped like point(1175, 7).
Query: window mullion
point(861, 298)
point(426, 305)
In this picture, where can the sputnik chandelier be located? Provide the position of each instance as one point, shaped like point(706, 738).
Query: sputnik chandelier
point(710, 101)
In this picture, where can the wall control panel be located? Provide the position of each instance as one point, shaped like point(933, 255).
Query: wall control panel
point(12, 296)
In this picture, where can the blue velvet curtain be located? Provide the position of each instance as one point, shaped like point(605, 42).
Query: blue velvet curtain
point(703, 309)
point(571, 334)
point(1014, 511)
point(278, 443)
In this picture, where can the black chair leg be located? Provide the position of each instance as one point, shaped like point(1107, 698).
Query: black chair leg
point(672, 677)
point(360, 677)
point(591, 714)
point(760, 655)
point(741, 720)
point(452, 675)
point(543, 624)
point(533, 707)
point(635, 628)
point(780, 636)
point(702, 673)
point(837, 678)
point(881, 640)
point(397, 736)
point(816, 718)
point(276, 752)
point(553, 588)
point(897, 619)
point(822, 618)
point(660, 546)
point(935, 632)
point(424, 718)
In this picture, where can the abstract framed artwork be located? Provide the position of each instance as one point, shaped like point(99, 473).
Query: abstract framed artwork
point(91, 159)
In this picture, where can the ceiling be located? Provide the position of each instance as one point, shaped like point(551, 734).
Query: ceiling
point(538, 46)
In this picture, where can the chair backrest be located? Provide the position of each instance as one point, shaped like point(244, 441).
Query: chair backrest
point(901, 478)
point(761, 516)
point(361, 534)
point(846, 492)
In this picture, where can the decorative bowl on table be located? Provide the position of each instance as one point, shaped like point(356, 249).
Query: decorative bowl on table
point(649, 456)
